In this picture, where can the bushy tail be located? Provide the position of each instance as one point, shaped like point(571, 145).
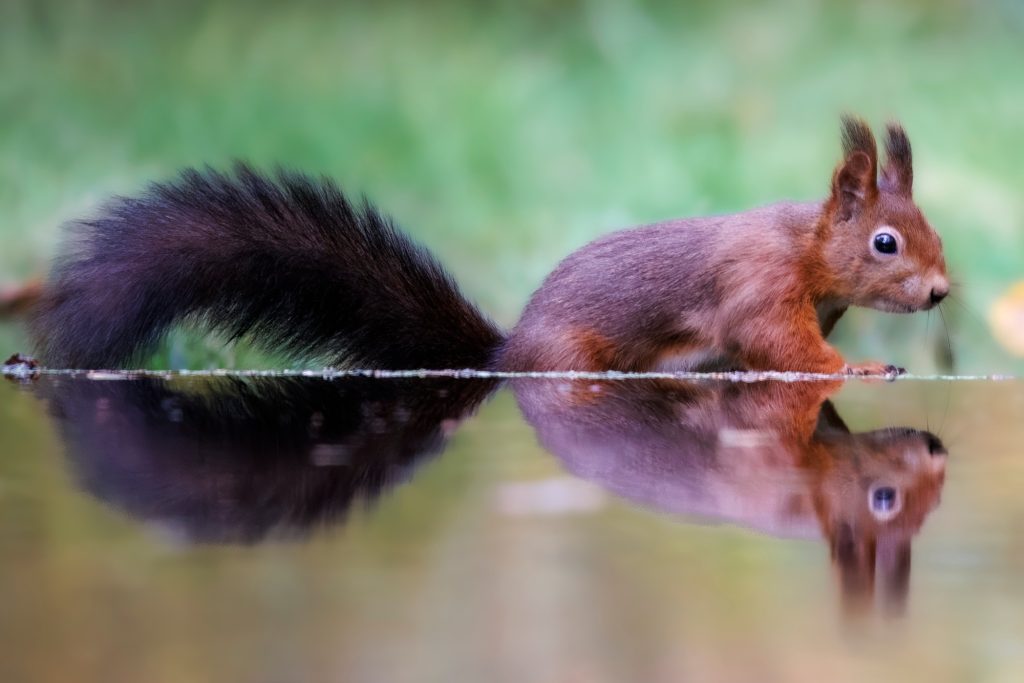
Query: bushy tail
point(286, 261)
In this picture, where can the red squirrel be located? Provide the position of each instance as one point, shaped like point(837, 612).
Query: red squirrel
point(289, 262)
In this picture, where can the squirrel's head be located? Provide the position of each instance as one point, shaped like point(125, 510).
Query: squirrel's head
point(871, 502)
point(881, 249)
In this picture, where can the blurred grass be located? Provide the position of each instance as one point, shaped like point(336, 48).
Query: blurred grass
point(505, 137)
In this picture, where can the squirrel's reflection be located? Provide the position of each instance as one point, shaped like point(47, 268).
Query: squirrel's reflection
point(228, 460)
point(771, 456)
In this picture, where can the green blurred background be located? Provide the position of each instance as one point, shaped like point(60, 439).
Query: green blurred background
point(503, 137)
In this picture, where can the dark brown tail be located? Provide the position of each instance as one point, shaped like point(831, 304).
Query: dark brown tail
point(286, 261)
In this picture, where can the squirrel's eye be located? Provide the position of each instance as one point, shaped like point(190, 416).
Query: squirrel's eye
point(885, 243)
point(883, 499)
point(884, 502)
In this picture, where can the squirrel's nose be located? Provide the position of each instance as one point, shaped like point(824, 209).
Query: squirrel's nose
point(935, 446)
point(939, 293)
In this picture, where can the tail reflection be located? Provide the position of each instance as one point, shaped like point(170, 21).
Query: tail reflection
point(228, 460)
point(772, 456)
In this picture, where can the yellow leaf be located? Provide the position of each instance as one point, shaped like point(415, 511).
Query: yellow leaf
point(1006, 317)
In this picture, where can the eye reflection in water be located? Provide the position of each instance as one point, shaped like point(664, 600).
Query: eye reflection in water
point(237, 461)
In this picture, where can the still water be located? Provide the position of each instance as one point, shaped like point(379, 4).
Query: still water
point(272, 530)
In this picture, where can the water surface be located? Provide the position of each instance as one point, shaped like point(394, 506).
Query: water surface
point(221, 529)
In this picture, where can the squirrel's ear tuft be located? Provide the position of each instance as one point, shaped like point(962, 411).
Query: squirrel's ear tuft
point(857, 137)
point(898, 173)
point(854, 183)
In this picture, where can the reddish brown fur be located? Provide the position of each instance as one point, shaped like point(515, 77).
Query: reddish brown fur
point(587, 349)
point(758, 290)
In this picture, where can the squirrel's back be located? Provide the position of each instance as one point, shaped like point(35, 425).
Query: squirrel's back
point(636, 297)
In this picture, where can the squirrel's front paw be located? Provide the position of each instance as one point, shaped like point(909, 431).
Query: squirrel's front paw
point(874, 369)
